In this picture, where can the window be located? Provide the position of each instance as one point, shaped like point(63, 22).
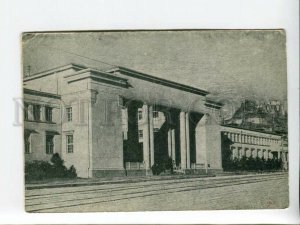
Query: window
point(140, 133)
point(140, 114)
point(70, 147)
point(25, 111)
point(27, 143)
point(49, 144)
point(48, 114)
point(36, 112)
point(155, 114)
point(69, 113)
point(155, 130)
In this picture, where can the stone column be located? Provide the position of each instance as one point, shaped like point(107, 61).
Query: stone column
point(261, 141)
point(169, 143)
point(146, 138)
point(173, 145)
point(247, 152)
point(30, 112)
point(258, 153)
point(269, 154)
point(182, 140)
point(234, 153)
point(43, 113)
point(243, 152)
point(151, 131)
point(232, 137)
point(187, 134)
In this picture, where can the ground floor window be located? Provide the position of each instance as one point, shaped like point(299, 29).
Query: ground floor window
point(70, 145)
point(25, 111)
point(27, 143)
point(49, 144)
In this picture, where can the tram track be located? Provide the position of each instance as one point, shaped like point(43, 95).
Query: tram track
point(36, 203)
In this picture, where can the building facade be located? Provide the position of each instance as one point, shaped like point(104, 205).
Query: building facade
point(254, 144)
point(120, 121)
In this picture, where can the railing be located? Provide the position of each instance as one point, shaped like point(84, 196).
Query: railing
point(200, 166)
point(134, 166)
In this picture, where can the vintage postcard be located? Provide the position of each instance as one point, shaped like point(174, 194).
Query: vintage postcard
point(155, 120)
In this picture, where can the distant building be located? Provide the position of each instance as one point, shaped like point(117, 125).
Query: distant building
point(256, 144)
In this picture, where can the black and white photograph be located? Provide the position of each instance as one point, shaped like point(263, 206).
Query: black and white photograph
point(155, 120)
point(149, 112)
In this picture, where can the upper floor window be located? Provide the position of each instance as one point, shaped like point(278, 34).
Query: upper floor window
point(140, 114)
point(36, 112)
point(155, 114)
point(69, 113)
point(49, 144)
point(140, 133)
point(48, 114)
point(70, 146)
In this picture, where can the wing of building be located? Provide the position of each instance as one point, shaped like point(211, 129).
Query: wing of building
point(121, 121)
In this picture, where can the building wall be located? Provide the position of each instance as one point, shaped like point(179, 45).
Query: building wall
point(107, 137)
point(208, 144)
point(79, 127)
point(39, 129)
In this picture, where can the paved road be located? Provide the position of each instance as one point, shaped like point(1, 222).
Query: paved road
point(234, 192)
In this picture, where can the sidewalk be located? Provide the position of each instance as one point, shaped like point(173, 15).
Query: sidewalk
point(57, 183)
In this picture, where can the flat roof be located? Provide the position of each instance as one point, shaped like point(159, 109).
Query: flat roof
point(258, 131)
point(97, 75)
point(161, 81)
point(54, 70)
point(129, 72)
point(40, 93)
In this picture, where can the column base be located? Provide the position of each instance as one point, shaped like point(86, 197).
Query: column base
point(136, 173)
point(120, 173)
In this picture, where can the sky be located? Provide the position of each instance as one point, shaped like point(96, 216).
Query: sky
point(230, 64)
